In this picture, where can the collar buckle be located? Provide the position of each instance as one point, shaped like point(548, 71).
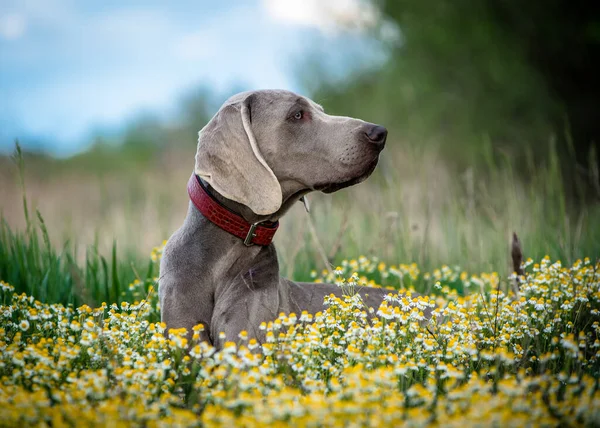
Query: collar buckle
point(250, 236)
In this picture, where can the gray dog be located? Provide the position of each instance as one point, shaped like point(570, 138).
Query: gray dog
point(262, 152)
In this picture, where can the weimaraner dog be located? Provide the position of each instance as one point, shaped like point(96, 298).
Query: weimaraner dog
point(261, 153)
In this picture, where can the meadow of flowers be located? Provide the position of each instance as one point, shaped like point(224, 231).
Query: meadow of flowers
point(493, 352)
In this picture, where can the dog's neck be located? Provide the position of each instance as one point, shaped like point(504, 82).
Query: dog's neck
point(225, 253)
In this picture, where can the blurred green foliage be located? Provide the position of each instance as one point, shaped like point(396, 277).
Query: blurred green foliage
point(452, 77)
point(462, 74)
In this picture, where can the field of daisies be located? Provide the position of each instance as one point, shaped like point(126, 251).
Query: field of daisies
point(474, 350)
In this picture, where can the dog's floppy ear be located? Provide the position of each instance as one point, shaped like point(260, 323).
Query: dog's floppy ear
point(228, 158)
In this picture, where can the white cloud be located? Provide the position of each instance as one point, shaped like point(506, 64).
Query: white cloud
point(12, 26)
point(328, 16)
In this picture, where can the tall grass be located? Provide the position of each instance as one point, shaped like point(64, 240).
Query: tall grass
point(416, 209)
point(33, 265)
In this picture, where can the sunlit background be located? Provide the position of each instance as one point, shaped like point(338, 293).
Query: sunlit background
point(492, 111)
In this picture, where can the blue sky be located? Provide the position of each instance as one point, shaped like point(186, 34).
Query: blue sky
point(69, 67)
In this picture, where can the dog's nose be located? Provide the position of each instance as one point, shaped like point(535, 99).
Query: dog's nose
point(377, 135)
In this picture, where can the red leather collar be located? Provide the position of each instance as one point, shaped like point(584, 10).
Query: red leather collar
point(250, 233)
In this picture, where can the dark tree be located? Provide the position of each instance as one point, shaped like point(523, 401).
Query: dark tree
point(562, 41)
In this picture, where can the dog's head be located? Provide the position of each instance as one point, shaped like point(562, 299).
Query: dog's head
point(263, 148)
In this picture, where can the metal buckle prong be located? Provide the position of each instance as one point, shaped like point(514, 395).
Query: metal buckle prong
point(250, 236)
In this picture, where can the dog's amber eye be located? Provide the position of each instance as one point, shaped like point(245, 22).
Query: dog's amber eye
point(299, 115)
